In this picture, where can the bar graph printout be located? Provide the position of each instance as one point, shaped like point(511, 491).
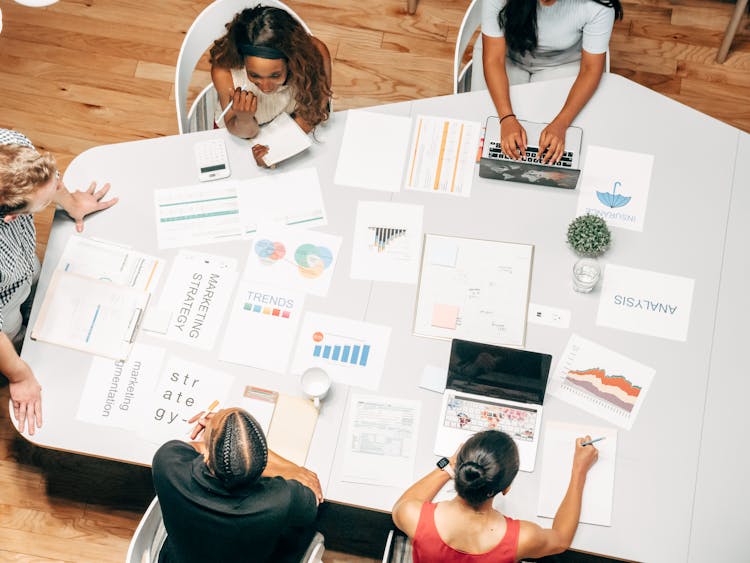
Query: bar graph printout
point(352, 352)
point(442, 155)
point(387, 242)
point(601, 381)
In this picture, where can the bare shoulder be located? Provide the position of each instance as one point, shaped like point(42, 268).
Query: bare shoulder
point(406, 515)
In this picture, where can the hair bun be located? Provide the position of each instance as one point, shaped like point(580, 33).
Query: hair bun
point(471, 473)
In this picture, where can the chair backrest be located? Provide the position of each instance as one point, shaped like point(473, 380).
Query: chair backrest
point(207, 27)
point(149, 536)
point(472, 20)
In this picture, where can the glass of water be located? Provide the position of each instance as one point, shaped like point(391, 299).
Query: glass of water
point(586, 274)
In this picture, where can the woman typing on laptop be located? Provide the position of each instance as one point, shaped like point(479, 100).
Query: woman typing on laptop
point(525, 41)
point(468, 528)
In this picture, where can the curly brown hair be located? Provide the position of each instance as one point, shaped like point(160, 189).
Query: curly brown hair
point(264, 26)
point(22, 171)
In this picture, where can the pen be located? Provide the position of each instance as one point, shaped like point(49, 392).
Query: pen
point(226, 109)
point(215, 404)
point(592, 441)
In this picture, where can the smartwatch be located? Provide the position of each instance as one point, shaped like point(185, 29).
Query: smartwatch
point(445, 465)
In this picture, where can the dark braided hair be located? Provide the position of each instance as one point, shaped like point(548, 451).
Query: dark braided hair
point(237, 449)
point(485, 465)
point(517, 19)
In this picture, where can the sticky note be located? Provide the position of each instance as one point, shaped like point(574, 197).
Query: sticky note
point(444, 316)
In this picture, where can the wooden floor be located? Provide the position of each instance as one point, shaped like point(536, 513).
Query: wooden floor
point(87, 72)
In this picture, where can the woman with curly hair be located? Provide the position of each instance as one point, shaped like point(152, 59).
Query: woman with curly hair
point(533, 40)
point(267, 64)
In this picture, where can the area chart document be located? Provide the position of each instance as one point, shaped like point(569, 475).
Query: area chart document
point(442, 155)
point(474, 290)
point(601, 381)
point(94, 316)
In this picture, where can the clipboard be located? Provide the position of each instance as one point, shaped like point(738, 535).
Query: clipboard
point(94, 316)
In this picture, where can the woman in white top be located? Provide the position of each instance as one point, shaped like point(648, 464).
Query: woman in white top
point(267, 64)
point(527, 41)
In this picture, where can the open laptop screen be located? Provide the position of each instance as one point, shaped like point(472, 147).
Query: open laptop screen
point(496, 371)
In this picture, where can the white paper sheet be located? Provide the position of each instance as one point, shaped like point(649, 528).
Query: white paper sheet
point(94, 316)
point(283, 137)
point(433, 379)
point(381, 439)
point(373, 151)
point(645, 302)
point(197, 292)
point(262, 325)
point(387, 242)
point(601, 381)
point(289, 198)
point(118, 393)
point(183, 390)
point(109, 261)
point(442, 155)
point(293, 258)
point(483, 297)
point(557, 462)
point(198, 214)
point(614, 185)
point(351, 352)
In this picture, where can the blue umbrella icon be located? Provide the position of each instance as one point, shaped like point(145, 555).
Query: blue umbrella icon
point(612, 199)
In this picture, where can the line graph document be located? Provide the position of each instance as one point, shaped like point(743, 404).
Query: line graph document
point(443, 155)
point(601, 381)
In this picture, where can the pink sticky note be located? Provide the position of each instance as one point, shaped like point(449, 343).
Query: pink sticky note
point(444, 316)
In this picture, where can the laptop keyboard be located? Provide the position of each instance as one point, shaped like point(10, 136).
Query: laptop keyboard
point(475, 415)
point(531, 155)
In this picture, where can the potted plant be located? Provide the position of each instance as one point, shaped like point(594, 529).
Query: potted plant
point(588, 235)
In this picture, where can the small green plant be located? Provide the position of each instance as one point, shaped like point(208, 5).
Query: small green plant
point(589, 235)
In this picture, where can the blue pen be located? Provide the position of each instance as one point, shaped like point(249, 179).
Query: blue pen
point(592, 441)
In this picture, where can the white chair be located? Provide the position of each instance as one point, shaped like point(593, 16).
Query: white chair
point(471, 73)
point(149, 536)
point(207, 27)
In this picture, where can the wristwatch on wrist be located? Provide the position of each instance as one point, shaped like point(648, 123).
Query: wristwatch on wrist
point(445, 465)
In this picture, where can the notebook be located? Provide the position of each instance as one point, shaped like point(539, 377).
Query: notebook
point(493, 387)
point(530, 170)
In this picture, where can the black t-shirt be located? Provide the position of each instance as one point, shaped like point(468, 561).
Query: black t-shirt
point(205, 522)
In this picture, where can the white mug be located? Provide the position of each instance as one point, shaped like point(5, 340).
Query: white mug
point(315, 385)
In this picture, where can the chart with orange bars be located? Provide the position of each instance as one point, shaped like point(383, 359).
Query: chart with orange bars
point(442, 155)
point(601, 381)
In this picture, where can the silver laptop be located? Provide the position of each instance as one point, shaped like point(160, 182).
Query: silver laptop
point(530, 170)
point(493, 387)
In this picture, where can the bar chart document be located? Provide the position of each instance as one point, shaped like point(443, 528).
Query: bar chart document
point(442, 155)
point(601, 381)
point(387, 242)
point(94, 316)
point(351, 352)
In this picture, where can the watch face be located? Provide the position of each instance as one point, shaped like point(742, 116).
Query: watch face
point(443, 462)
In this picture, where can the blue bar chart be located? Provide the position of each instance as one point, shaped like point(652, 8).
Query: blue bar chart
point(354, 354)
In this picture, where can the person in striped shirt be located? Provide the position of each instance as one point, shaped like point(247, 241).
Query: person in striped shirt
point(29, 182)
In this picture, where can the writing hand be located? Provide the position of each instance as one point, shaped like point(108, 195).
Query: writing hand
point(552, 142)
point(512, 138)
point(585, 456)
point(244, 104)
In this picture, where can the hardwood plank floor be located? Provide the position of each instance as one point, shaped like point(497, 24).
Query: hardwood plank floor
point(81, 73)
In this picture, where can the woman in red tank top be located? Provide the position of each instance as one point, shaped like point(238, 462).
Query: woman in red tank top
point(467, 528)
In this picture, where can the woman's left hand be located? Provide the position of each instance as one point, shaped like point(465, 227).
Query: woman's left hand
point(259, 151)
point(200, 419)
point(552, 142)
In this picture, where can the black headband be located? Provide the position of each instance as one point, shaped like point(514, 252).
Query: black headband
point(249, 50)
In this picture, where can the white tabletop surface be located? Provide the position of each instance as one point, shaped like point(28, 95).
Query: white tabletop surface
point(675, 483)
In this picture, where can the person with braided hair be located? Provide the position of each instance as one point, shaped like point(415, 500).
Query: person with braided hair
point(468, 528)
point(267, 64)
point(228, 497)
